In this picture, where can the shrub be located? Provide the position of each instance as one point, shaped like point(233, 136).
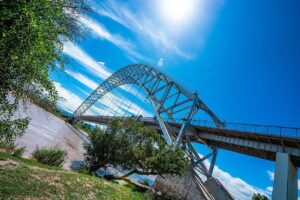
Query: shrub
point(11, 149)
point(18, 152)
point(6, 147)
point(51, 156)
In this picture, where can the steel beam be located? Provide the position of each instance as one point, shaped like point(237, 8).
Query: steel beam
point(227, 140)
point(213, 161)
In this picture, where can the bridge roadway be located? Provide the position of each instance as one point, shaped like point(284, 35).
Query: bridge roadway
point(254, 140)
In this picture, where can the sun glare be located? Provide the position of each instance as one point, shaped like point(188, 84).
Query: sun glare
point(178, 11)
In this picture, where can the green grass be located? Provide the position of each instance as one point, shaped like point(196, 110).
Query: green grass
point(84, 129)
point(31, 180)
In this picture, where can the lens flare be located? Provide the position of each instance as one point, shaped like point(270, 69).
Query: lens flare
point(178, 11)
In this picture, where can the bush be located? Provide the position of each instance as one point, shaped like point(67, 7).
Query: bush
point(51, 156)
point(11, 149)
point(6, 147)
point(18, 152)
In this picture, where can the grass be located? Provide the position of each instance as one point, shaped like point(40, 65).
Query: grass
point(26, 179)
point(83, 128)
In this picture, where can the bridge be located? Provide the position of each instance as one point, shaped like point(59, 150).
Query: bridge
point(175, 109)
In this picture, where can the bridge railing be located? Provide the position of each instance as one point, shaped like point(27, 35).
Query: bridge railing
point(277, 131)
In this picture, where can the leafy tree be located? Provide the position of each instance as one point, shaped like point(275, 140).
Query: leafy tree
point(259, 196)
point(31, 42)
point(129, 144)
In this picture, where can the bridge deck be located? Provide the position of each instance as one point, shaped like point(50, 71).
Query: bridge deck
point(242, 138)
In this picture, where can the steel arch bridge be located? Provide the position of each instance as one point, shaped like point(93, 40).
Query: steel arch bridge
point(175, 107)
point(170, 101)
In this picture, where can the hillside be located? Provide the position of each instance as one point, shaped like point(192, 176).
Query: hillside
point(26, 179)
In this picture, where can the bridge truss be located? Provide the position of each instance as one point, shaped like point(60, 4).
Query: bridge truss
point(170, 101)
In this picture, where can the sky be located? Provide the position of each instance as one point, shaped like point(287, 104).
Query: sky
point(242, 57)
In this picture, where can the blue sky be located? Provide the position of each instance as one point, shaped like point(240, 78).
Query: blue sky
point(241, 56)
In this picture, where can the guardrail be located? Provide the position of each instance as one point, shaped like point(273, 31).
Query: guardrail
point(267, 130)
point(278, 131)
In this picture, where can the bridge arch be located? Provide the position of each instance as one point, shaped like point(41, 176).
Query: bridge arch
point(167, 97)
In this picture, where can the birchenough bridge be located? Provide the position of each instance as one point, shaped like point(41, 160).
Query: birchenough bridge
point(175, 116)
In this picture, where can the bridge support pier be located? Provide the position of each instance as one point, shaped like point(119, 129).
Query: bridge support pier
point(285, 178)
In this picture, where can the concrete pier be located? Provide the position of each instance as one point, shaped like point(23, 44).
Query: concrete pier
point(285, 179)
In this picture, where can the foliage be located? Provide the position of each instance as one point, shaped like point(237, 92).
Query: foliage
point(31, 43)
point(131, 145)
point(50, 156)
point(10, 128)
point(259, 196)
point(41, 100)
point(12, 149)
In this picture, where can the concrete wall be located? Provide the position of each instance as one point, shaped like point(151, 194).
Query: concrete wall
point(179, 187)
point(217, 189)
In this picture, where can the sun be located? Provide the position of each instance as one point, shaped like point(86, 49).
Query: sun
point(178, 11)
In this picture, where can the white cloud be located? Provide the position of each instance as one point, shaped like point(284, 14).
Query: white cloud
point(271, 175)
point(100, 31)
point(239, 189)
point(70, 101)
point(160, 62)
point(95, 68)
point(270, 189)
point(83, 79)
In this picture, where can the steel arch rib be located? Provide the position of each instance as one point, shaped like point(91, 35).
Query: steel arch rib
point(132, 74)
point(149, 79)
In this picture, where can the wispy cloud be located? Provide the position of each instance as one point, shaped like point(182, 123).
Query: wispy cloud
point(83, 79)
point(240, 189)
point(70, 100)
point(95, 68)
point(121, 13)
point(160, 62)
point(100, 31)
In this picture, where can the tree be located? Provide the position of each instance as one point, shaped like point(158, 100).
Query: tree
point(259, 196)
point(129, 144)
point(31, 42)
